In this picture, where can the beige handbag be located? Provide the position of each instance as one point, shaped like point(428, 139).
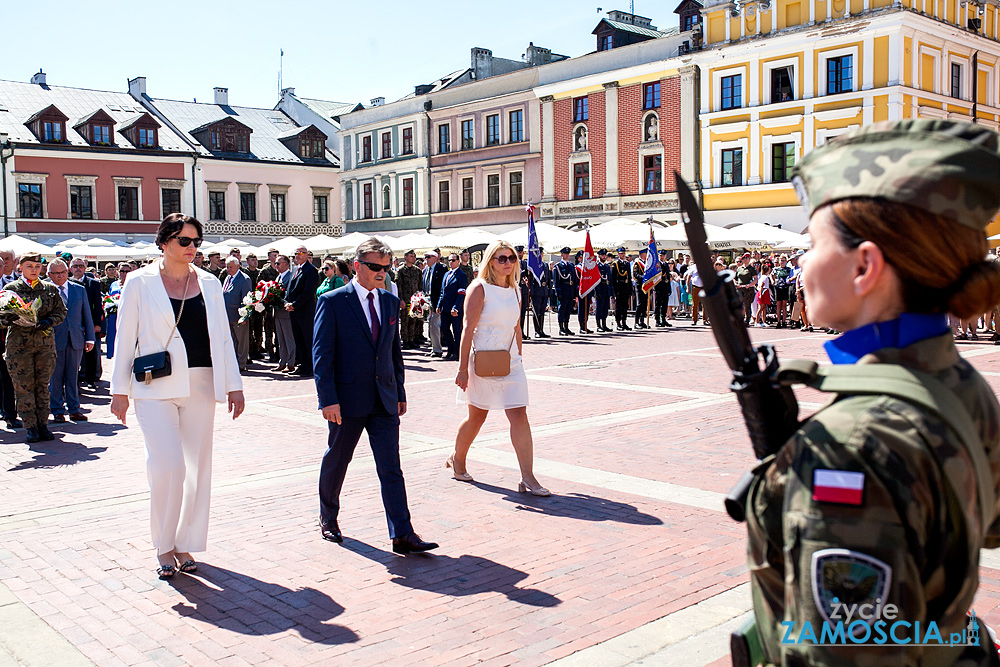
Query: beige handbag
point(492, 363)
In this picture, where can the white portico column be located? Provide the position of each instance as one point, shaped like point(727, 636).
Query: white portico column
point(611, 139)
point(548, 151)
point(689, 122)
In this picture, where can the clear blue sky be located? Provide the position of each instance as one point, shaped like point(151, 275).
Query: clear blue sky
point(343, 51)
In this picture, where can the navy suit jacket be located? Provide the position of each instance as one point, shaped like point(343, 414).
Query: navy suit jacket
point(453, 291)
point(94, 296)
point(435, 282)
point(301, 291)
point(350, 368)
point(78, 327)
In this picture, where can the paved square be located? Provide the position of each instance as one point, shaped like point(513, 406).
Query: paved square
point(631, 561)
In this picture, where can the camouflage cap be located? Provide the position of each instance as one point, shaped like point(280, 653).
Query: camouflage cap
point(944, 167)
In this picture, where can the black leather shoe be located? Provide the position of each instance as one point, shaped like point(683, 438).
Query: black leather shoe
point(331, 531)
point(45, 433)
point(568, 332)
point(302, 372)
point(59, 419)
point(411, 544)
point(542, 334)
point(13, 422)
point(78, 417)
point(31, 435)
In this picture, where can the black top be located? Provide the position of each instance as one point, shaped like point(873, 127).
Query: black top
point(193, 329)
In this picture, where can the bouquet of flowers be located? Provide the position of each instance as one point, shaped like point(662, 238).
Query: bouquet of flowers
point(253, 302)
point(419, 305)
point(15, 310)
point(274, 294)
point(110, 303)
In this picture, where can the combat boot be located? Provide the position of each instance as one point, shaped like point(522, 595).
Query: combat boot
point(31, 435)
point(45, 433)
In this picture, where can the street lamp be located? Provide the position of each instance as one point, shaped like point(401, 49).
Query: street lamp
point(6, 151)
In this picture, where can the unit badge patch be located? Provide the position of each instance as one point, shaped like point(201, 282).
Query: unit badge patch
point(841, 577)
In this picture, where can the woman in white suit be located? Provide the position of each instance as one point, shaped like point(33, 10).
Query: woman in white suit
point(171, 305)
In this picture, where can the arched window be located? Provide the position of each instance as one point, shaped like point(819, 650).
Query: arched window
point(386, 199)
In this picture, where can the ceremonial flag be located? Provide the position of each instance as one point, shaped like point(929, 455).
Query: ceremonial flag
point(534, 254)
point(652, 273)
point(590, 275)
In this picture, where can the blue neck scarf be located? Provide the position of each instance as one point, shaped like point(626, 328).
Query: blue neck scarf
point(907, 329)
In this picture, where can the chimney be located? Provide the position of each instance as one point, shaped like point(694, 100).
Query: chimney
point(39, 78)
point(287, 91)
point(137, 87)
point(377, 101)
point(222, 96)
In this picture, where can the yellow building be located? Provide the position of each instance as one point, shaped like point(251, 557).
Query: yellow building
point(781, 77)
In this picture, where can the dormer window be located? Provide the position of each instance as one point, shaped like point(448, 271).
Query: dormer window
point(312, 148)
point(101, 134)
point(142, 132)
point(147, 137)
point(97, 128)
point(227, 135)
point(308, 143)
point(49, 125)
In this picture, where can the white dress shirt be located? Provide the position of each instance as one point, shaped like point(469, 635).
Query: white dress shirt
point(363, 295)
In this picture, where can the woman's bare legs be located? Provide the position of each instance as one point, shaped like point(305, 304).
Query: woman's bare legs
point(520, 437)
point(467, 432)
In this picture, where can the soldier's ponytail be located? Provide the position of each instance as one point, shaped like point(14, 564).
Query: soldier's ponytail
point(941, 264)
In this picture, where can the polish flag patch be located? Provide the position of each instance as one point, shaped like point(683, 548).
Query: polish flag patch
point(838, 486)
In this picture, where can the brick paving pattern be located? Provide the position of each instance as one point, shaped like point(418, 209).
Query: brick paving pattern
point(625, 427)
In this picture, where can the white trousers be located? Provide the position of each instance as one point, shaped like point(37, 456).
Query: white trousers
point(178, 435)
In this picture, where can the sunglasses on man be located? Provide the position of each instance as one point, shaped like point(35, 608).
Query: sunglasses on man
point(376, 267)
point(185, 241)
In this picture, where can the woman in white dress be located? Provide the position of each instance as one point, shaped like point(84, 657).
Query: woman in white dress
point(492, 314)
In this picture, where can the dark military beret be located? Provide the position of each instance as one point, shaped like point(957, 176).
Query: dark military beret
point(602, 251)
point(620, 249)
point(519, 248)
point(565, 249)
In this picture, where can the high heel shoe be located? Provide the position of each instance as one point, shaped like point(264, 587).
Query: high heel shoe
point(460, 476)
point(540, 491)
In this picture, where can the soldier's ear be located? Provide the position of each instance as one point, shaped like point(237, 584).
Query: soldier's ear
point(871, 272)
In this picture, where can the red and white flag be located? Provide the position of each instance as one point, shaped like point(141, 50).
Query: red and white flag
point(590, 275)
point(838, 486)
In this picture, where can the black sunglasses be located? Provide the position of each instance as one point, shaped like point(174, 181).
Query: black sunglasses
point(503, 259)
point(185, 241)
point(376, 267)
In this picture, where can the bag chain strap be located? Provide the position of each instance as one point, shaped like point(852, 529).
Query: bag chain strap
point(187, 282)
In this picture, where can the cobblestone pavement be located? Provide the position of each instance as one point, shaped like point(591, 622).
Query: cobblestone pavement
point(632, 560)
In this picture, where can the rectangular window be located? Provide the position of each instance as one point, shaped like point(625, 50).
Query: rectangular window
point(468, 141)
point(366, 149)
point(839, 75)
point(147, 138)
point(516, 126)
point(607, 43)
point(80, 202)
point(170, 201)
point(407, 196)
point(444, 196)
point(782, 161)
point(516, 189)
point(651, 96)
point(128, 203)
point(732, 91)
point(30, 199)
point(493, 189)
point(216, 205)
point(216, 140)
point(493, 130)
point(102, 134)
point(581, 180)
point(51, 131)
point(248, 206)
point(367, 201)
point(689, 22)
point(580, 112)
point(386, 145)
point(781, 85)
point(277, 208)
point(407, 140)
point(956, 81)
point(732, 167)
point(444, 138)
point(466, 193)
point(652, 173)
point(320, 204)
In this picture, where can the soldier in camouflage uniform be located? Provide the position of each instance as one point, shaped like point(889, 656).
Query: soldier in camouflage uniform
point(31, 351)
point(876, 499)
point(408, 281)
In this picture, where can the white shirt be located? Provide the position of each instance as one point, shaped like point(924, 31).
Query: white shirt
point(363, 296)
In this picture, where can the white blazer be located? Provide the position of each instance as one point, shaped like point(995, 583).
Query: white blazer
point(146, 316)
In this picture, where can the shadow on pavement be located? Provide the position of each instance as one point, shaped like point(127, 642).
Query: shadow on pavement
point(58, 453)
point(222, 601)
point(574, 506)
point(447, 575)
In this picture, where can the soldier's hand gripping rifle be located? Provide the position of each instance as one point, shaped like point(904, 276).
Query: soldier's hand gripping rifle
point(770, 411)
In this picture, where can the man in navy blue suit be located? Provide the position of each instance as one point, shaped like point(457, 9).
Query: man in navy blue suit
point(300, 301)
point(450, 306)
point(358, 368)
point(73, 336)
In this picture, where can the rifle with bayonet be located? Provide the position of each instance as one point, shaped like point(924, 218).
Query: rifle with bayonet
point(770, 411)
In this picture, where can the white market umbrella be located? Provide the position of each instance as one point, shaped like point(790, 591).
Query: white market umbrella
point(20, 245)
point(550, 237)
point(98, 243)
point(108, 253)
point(322, 244)
point(467, 238)
point(804, 241)
point(754, 235)
point(69, 243)
point(675, 237)
point(284, 246)
point(417, 241)
point(620, 232)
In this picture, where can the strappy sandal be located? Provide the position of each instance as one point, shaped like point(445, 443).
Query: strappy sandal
point(166, 571)
point(188, 566)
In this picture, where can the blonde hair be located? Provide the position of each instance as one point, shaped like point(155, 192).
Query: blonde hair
point(488, 273)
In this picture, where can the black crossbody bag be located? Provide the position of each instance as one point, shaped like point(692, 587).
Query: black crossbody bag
point(148, 367)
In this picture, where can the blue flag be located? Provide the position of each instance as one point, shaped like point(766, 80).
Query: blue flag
point(651, 275)
point(534, 254)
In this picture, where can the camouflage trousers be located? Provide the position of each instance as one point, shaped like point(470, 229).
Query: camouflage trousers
point(410, 328)
point(31, 369)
